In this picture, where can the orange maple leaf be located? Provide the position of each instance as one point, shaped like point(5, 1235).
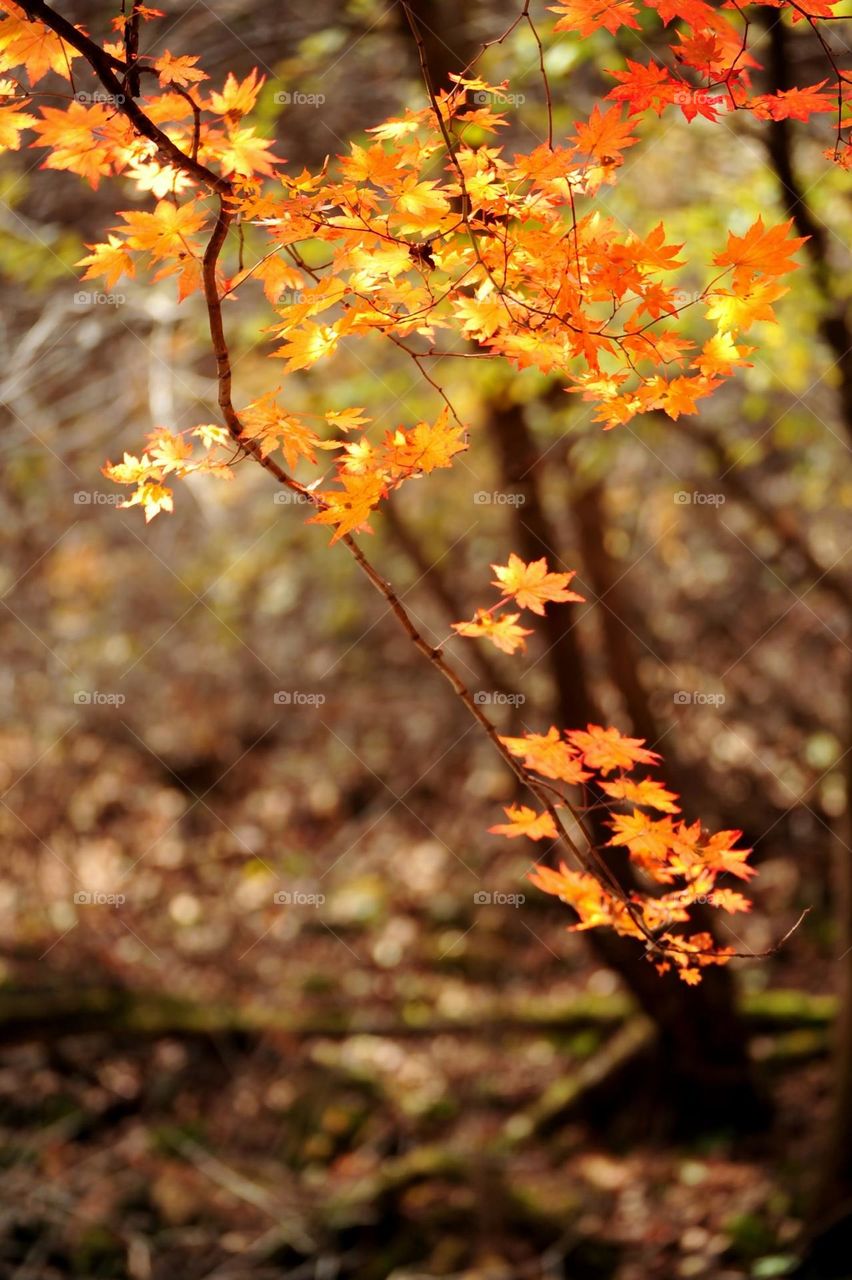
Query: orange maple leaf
point(181, 71)
point(503, 631)
point(350, 508)
point(579, 890)
point(587, 16)
point(604, 136)
point(24, 43)
point(532, 585)
point(110, 260)
point(524, 821)
point(762, 250)
point(607, 749)
point(647, 792)
point(549, 755)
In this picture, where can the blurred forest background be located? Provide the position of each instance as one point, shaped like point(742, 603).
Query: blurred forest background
point(256, 1018)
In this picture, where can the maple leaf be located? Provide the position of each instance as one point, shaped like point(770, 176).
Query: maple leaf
point(587, 16)
point(695, 13)
point(703, 50)
point(81, 139)
point(688, 955)
point(24, 43)
point(736, 312)
point(719, 355)
point(607, 749)
point(166, 233)
point(242, 152)
point(273, 428)
point(110, 260)
point(548, 755)
point(276, 275)
point(308, 345)
point(12, 121)
point(604, 136)
point(648, 839)
point(698, 102)
point(762, 250)
point(422, 205)
point(180, 71)
point(130, 470)
point(680, 395)
point(346, 419)
point(525, 822)
point(643, 87)
point(647, 792)
point(579, 890)
point(211, 434)
point(729, 900)
point(350, 508)
point(427, 446)
point(482, 315)
point(503, 631)
point(793, 104)
point(169, 452)
point(237, 97)
point(392, 130)
point(153, 498)
point(532, 585)
point(720, 853)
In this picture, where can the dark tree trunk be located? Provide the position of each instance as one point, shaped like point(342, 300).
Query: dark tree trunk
point(701, 1064)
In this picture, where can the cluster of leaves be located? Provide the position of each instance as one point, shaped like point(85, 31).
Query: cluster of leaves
point(431, 236)
point(430, 228)
point(667, 851)
point(530, 586)
point(712, 64)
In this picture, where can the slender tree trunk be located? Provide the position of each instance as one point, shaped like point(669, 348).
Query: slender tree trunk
point(619, 626)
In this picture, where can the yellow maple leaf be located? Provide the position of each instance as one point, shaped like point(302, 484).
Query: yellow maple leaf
point(483, 315)
point(130, 470)
point(169, 452)
point(237, 97)
point(241, 152)
point(736, 312)
point(307, 345)
point(422, 206)
point(153, 498)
